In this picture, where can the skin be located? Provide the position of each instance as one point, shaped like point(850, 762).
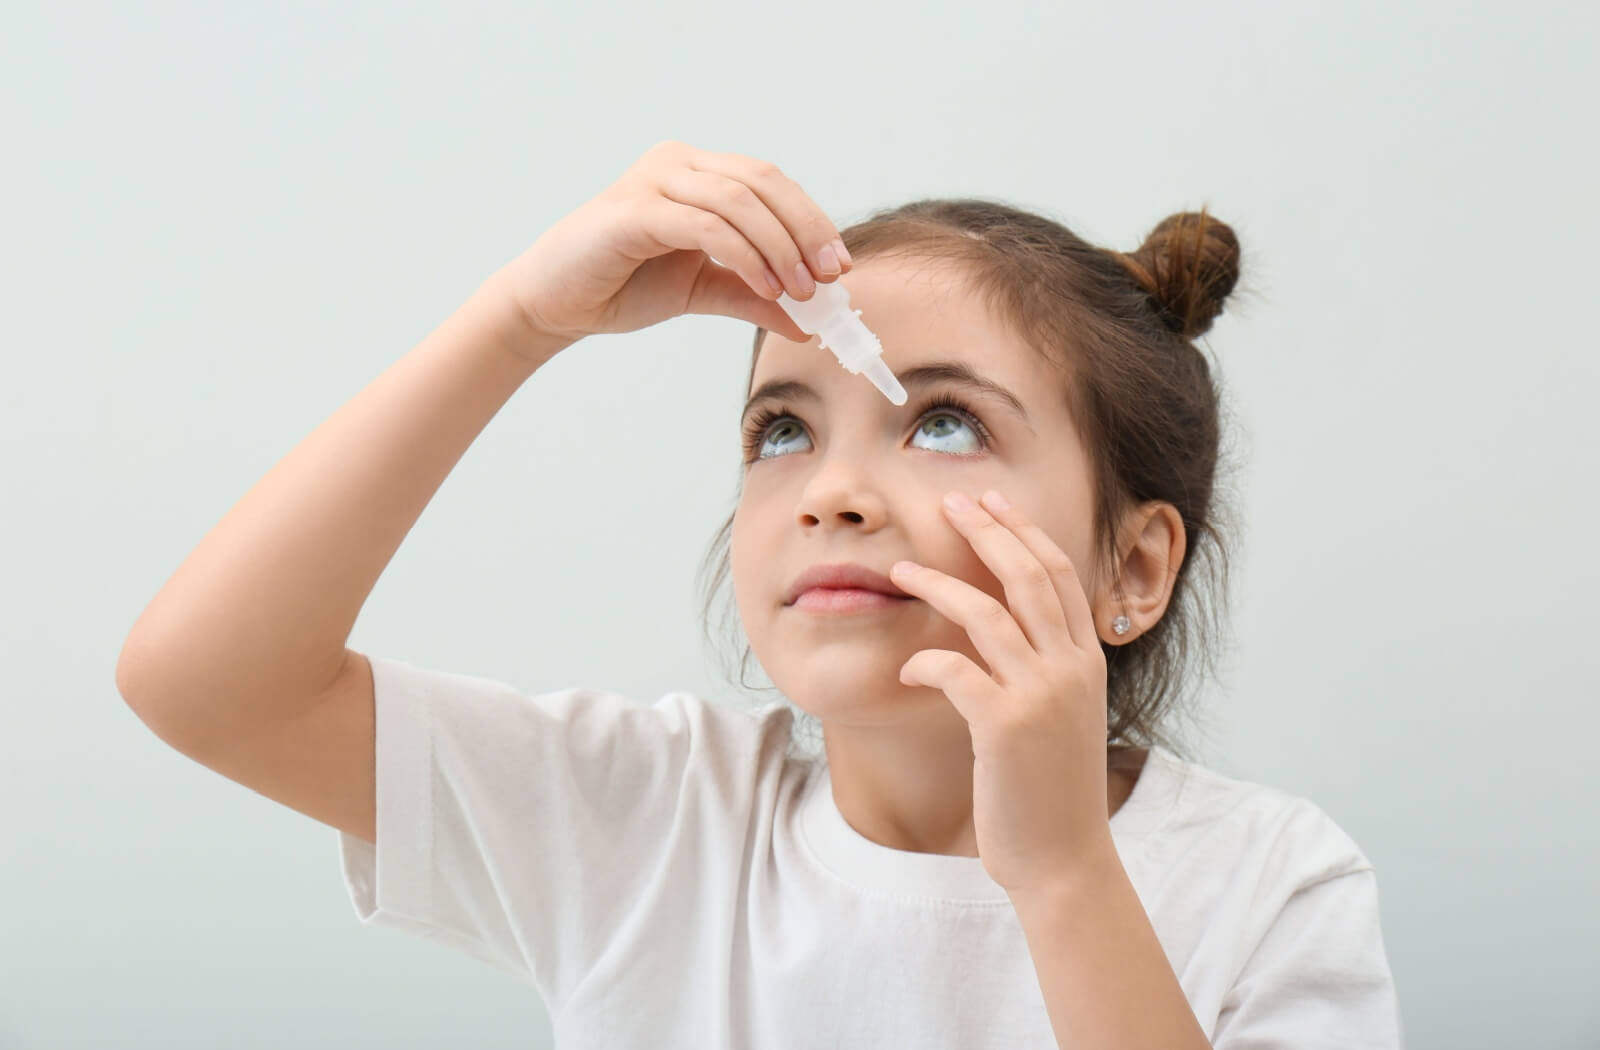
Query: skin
point(854, 478)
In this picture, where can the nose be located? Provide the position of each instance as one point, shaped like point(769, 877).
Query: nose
point(852, 467)
point(840, 494)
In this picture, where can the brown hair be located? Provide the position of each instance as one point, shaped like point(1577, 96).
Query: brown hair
point(1120, 328)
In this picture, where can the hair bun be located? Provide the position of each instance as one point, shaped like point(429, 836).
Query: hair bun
point(1187, 265)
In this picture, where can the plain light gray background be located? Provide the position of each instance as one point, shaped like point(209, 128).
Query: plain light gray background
point(223, 221)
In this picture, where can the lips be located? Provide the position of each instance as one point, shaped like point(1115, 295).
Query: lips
point(841, 576)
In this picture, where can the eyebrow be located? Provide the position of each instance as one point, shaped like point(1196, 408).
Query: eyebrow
point(956, 373)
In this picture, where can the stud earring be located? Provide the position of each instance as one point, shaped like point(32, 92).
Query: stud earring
point(1121, 625)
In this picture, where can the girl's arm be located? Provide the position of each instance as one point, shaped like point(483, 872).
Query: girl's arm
point(251, 629)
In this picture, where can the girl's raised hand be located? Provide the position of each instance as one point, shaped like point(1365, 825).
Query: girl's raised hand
point(641, 251)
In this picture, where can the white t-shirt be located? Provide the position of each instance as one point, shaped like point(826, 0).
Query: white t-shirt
point(664, 875)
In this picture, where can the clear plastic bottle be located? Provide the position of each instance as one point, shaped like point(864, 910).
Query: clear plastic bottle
point(827, 314)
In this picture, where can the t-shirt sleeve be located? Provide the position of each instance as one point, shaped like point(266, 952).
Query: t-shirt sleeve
point(518, 829)
point(1319, 976)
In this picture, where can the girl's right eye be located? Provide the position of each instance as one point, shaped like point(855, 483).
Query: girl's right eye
point(755, 431)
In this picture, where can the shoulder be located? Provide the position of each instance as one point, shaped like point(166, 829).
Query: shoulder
point(580, 721)
point(1286, 832)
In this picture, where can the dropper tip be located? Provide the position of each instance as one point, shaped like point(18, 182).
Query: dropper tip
point(885, 381)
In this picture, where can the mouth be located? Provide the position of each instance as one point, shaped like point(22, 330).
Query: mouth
point(842, 576)
point(846, 600)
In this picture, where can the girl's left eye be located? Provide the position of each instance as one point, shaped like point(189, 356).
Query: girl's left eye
point(945, 406)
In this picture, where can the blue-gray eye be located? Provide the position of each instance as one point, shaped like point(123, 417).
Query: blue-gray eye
point(943, 408)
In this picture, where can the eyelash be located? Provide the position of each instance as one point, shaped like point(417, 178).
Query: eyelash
point(756, 428)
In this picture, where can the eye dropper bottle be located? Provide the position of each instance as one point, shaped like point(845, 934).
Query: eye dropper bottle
point(827, 314)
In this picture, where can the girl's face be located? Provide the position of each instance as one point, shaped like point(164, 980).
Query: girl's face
point(842, 475)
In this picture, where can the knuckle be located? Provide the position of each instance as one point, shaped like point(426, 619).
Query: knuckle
point(765, 169)
point(992, 611)
point(1034, 574)
point(736, 194)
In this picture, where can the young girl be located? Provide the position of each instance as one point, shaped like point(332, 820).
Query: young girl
point(996, 847)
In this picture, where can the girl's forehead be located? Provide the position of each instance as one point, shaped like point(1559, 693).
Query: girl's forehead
point(919, 309)
point(975, 345)
point(908, 289)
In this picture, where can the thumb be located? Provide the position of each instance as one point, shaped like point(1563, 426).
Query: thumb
point(721, 290)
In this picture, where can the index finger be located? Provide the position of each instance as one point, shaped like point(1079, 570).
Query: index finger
point(806, 223)
point(1070, 592)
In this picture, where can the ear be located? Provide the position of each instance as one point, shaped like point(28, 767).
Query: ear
point(1150, 561)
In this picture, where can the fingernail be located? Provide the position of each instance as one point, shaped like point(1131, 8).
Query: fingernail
point(995, 500)
point(772, 279)
point(827, 262)
point(842, 252)
point(803, 279)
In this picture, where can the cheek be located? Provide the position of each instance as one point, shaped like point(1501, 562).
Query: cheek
point(962, 561)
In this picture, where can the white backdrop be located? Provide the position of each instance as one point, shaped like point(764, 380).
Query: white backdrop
point(222, 221)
